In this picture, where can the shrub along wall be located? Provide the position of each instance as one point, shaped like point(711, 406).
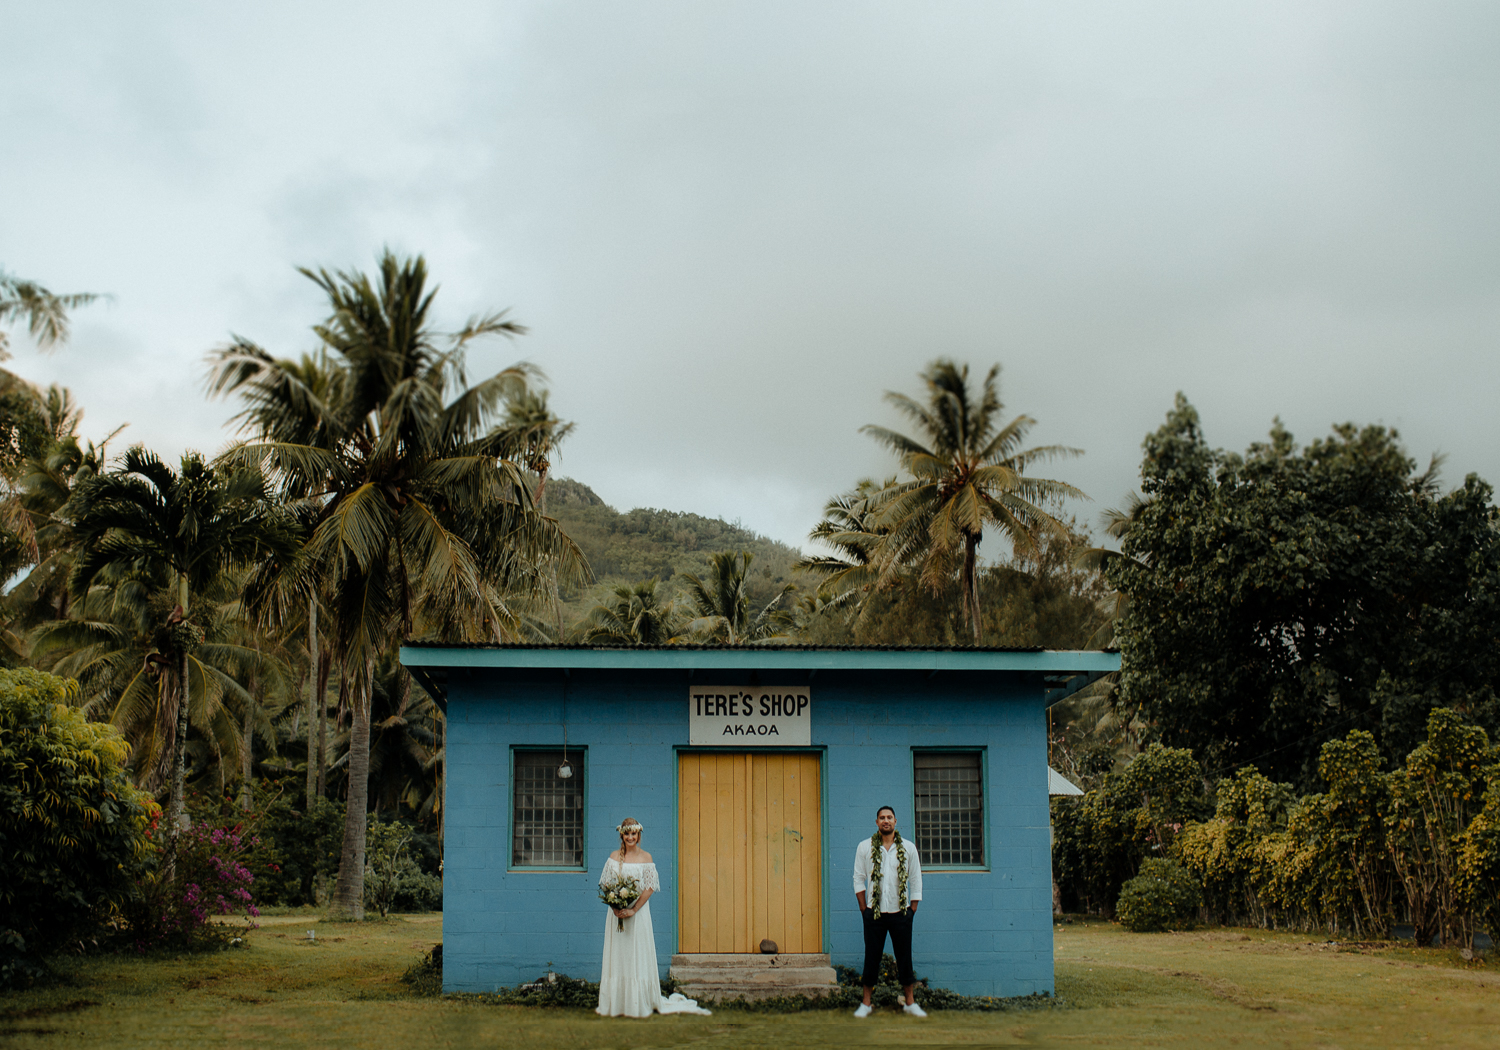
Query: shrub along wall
point(1100, 840)
point(1419, 844)
point(73, 829)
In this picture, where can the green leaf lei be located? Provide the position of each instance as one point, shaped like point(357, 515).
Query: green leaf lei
point(879, 855)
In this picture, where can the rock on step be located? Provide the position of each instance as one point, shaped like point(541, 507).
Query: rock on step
point(719, 977)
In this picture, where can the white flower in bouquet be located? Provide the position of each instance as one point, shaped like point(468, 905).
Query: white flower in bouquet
point(620, 891)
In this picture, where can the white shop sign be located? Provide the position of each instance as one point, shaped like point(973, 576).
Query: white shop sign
point(754, 716)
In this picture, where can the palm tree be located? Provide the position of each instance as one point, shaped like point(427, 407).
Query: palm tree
point(851, 526)
point(636, 616)
point(25, 426)
point(530, 435)
point(272, 683)
point(967, 473)
point(406, 749)
point(416, 513)
point(722, 604)
point(46, 314)
point(1117, 525)
point(118, 642)
point(36, 516)
point(178, 531)
point(294, 401)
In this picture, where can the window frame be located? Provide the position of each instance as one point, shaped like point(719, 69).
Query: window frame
point(581, 764)
point(984, 805)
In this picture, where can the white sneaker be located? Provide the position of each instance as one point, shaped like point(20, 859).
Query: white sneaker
point(863, 1011)
point(914, 1010)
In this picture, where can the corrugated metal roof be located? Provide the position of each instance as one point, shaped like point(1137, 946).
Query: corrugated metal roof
point(1057, 784)
point(756, 647)
point(1061, 672)
point(811, 658)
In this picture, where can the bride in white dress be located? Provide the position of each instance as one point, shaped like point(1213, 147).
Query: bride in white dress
point(630, 985)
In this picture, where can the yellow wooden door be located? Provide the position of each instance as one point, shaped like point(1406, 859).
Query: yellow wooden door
point(751, 847)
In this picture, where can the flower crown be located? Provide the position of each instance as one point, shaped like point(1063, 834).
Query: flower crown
point(620, 828)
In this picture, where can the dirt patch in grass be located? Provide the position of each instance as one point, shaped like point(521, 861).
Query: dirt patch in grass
point(44, 1011)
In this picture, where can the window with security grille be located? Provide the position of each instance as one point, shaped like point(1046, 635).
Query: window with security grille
point(547, 824)
point(949, 800)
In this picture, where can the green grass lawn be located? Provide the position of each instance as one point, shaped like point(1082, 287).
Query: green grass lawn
point(1203, 989)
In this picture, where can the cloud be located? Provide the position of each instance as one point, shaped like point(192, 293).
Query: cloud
point(731, 227)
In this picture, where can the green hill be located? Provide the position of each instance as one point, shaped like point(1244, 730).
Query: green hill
point(641, 543)
point(1039, 601)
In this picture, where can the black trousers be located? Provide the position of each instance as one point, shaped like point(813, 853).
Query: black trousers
point(898, 925)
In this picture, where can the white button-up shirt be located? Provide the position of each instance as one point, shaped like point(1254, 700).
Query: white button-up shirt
point(890, 898)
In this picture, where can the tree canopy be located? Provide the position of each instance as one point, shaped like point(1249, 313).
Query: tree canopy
point(418, 521)
point(968, 472)
point(1285, 596)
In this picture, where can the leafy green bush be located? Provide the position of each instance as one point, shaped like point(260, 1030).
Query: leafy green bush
point(426, 977)
point(1164, 896)
point(393, 879)
point(1479, 862)
point(1100, 840)
point(1434, 798)
point(1421, 843)
point(201, 877)
point(1221, 852)
point(300, 847)
point(291, 849)
point(74, 832)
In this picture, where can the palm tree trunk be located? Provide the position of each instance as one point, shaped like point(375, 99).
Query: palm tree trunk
point(971, 586)
point(349, 891)
point(312, 699)
point(177, 820)
point(541, 506)
point(324, 667)
point(247, 754)
point(442, 772)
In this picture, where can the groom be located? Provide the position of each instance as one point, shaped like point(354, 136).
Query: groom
point(888, 885)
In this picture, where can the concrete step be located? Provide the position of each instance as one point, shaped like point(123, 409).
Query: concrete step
point(742, 960)
point(715, 977)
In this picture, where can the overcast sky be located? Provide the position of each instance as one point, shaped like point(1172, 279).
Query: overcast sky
point(731, 227)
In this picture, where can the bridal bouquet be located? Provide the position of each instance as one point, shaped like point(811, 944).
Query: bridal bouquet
point(620, 891)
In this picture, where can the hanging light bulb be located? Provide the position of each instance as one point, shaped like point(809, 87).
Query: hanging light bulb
point(565, 771)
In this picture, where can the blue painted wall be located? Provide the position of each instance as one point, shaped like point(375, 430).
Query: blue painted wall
point(980, 933)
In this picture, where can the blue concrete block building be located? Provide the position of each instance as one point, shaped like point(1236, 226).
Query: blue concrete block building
point(755, 771)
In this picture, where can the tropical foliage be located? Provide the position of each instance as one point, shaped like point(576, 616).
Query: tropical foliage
point(417, 522)
point(1036, 600)
point(967, 471)
point(850, 531)
point(636, 616)
point(721, 608)
point(45, 313)
point(153, 532)
point(1370, 850)
point(73, 828)
point(1280, 598)
point(1301, 731)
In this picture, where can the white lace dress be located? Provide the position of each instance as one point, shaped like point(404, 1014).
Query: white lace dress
point(630, 985)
